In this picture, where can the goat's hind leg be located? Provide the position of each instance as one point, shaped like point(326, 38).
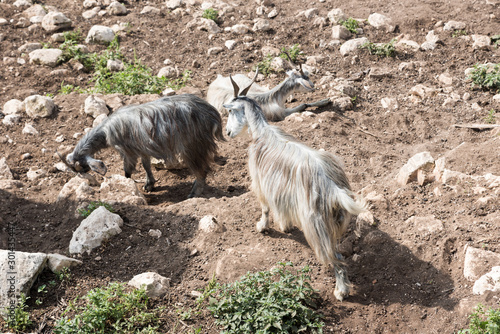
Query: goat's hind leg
point(343, 285)
point(150, 180)
point(263, 223)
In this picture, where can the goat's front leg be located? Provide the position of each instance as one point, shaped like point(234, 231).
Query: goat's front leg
point(128, 166)
point(320, 103)
point(150, 180)
point(198, 186)
point(343, 285)
point(263, 223)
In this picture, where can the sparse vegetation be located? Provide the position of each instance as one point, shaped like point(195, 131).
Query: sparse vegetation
point(483, 322)
point(18, 319)
point(211, 14)
point(351, 24)
point(486, 76)
point(265, 65)
point(65, 274)
point(458, 33)
point(490, 118)
point(110, 310)
point(380, 49)
point(294, 52)
point(92, 206)
point(275, 301)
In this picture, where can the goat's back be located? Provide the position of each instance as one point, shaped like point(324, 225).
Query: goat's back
point(184, 125)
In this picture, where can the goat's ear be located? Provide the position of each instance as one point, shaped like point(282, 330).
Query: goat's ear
point(69, 158)
point(97, 166)
point(228, 106)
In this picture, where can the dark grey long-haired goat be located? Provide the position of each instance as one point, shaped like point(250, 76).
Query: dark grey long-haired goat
point(271, 101)
point(301, 186)
point(184, 126)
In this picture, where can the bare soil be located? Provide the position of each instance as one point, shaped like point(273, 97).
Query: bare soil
point(404, 280)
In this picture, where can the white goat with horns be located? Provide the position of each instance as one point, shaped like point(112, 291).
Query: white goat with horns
point(301, 186)
point(184, 126)
point(272, 102)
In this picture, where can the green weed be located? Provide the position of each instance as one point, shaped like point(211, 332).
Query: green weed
point(111, 310)
point(382, 50)
point(211, 14)
point(486, 77)
point(68, 89)
point(490, 119)
point(276, 301)
point(458, 33)
point(482, 322)
point(94, 205)
point(294, 52)
point(265, 65)
point(18, 319)
point(351, 24)
point(64, 275)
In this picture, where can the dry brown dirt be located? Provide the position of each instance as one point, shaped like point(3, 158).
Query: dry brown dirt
point(404, 280)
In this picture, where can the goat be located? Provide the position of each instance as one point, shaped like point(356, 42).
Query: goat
point(272, 102)
point(301, 186)
point(184, 126)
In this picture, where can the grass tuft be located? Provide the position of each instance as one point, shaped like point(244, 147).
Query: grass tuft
point(94, 205)
point(351, 24)
point(483, 322)
point(486, 77)
point(381, 50)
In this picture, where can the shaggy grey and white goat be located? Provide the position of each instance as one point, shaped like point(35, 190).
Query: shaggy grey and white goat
point(272, 102)
point(184, 126)
point(301, 186)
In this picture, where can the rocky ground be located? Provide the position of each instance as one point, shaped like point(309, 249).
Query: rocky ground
point(413, 260)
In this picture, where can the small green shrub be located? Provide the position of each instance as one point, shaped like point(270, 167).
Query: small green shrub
point(458, 33)
point(265, 65)
point(64, 275)
point(382, 50)
point(482, 322)
point(276, 301)
point(18, 318)
point(294, 52)
point(94, 205)
point(67, 89)
point(111, 310)
point(486, 77)
point(211, 14)
point(490, 119)
point(351, 24)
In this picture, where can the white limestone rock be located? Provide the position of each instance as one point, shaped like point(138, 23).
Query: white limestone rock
point(99, 226)
point(204, 24)
point(454, 25)
point(95, 106)
point(30, 130)
point(380, 21)
point(488, 282)
point(99, 119)
point(150, 10)
point(39, 106)
point(115, 65)
point(117, 8)
point(336, 16)
point(168, 72)
point(230, 44)
point(57, 262)
point(352, 46)
point(35, 174)
point(341, 32)
point(100, 35)
point(481, 42)
point(261, 25)
point(12, 119)
point(55, 21)
point(28, 47)
point(79, 186)
point(5, 172)
point(422, 161)
point(209, 224)
point(425, 225)
point(389, 103)
point(173, 4)
point(13, 106)
point(155, 284)
point(240, 29)
point(479, 262)
point(119, 189)
point(47, 57)
point(19, 272)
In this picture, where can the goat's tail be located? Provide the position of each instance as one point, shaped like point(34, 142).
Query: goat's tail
point(324, 228)
point(217, 131)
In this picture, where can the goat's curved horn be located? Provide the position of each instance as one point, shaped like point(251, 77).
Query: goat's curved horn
point(288, 56)
point(63, 159)
point(235, 86)
point(245, 91)
point(300, 70)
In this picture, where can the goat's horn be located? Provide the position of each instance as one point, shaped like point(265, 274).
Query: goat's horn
point(245, 91)
point(63, 159)
point(301, 71)
point(235, 86)
point(288, 56)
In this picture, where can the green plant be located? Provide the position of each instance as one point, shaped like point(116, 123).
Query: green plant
point(294, 52)
point(351, 24)
point(265, 65)
point(111, 310)
point(458, 33)
point(67, 89)
point(211, 14)
point(490, 119)
point(64, 275)
point(94, 205)
point(380, 49)
point(75, 36)
point(18, 318)
point(485, 76)
point(276, 301)
point(482, 322)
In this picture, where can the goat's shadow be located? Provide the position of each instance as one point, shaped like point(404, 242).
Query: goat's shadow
point(384, 271)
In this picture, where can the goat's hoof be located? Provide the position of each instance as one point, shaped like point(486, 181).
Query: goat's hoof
point(340, 294)
point(262, 226)
point(148, 188)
